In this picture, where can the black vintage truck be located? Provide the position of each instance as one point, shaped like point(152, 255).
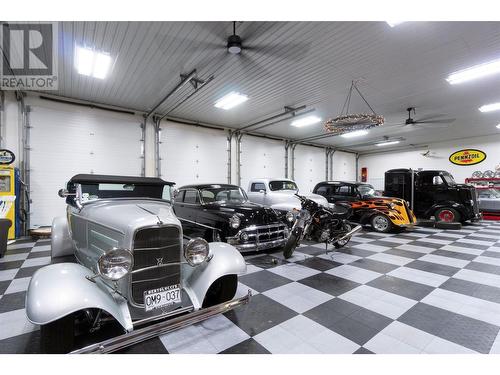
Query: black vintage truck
point(433, 193)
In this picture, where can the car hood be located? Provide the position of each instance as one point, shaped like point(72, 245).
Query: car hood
point(129, 214)
point(285, 200)
point(250, 212)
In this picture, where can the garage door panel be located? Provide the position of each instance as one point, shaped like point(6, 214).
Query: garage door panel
point(261, 157)
point(344, 166)
point(193, 155)
point(309, 168)
point(67, 140)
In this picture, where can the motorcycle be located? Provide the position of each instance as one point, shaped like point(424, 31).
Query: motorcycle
point(317, 223)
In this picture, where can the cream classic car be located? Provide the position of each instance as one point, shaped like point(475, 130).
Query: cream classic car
point(131, 267)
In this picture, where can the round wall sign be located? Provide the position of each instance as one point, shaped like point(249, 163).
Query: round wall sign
point(467, 157)
point(6, 157)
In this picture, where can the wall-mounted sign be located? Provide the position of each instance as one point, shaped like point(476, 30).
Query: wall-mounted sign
point(6, 157)
point(469, 156)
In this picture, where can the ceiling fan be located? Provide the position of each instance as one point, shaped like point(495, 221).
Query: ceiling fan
point(427, 120)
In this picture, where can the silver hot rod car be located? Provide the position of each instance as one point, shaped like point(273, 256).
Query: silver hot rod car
point(128, 264)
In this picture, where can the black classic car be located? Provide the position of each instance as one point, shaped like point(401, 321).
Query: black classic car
point(222, 212)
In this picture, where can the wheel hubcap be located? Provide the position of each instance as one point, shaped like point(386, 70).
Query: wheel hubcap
point(380, 223)
point(446, 215)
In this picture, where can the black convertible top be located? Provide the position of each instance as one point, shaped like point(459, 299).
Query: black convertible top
point(109, 179)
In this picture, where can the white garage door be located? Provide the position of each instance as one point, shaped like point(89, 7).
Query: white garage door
point(67, 140)
point(344, 166)
point(260, 158)
point(192, 155)
point(309, 167)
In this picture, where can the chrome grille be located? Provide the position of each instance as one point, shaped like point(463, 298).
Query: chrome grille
point(266, 233)
point(157, 255)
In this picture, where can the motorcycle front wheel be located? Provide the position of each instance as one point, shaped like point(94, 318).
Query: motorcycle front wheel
point(292, 243)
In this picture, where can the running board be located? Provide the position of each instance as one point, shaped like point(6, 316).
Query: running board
point(157, 329)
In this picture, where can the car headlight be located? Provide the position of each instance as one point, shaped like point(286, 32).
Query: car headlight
point(196, 251)
point(234, 221)
point(289, 216)
point(115, 264)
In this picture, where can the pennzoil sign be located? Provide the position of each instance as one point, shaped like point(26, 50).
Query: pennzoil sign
point(467, 157)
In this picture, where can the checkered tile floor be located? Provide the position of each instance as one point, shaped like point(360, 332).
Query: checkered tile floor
point(425, 291)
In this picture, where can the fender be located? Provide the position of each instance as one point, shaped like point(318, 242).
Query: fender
point(61, 243)
point(451, 204)
point(225, 260)
point(61, 289)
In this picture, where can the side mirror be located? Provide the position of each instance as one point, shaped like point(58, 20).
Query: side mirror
point(262, 191)
point(63, 193)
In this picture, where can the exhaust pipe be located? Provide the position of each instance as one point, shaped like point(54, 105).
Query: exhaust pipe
point(354, 230)
point(143, 334)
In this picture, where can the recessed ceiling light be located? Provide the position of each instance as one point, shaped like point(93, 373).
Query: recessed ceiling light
point(309, 120)
point(490, 107)
point(498, 126)
point(387, 143)
point(474, 72)
point(231, 100)
point(395, 23)
point(356, 133)
point(91, 63)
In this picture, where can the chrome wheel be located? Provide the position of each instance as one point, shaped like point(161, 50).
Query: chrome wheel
point(381, 223)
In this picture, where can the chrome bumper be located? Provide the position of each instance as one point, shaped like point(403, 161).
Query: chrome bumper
point(260, 237)
point(161, 328)
point(258, 246)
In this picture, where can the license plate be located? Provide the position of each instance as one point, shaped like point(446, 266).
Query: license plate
point(161, 297)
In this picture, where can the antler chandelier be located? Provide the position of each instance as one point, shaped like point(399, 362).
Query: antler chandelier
point(347, 122)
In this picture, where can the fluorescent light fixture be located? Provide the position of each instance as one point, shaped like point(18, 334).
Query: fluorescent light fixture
point(498, 126)
point(231, 100)
point(395, 23)
point(91, 63)
point(490, 107)
point(357, 133)
point(309, 120)
point(387, 143)
point(474, 72)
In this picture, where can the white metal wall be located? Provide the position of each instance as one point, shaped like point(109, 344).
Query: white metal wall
point(261, 157)
point(191, 155)
point(69, 139)
point(309, 167)
point(344, 166)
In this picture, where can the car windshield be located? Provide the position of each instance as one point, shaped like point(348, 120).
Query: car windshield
point(448, 179)
point(117, 190)
point(367, 190)
point(282, 185)
point(489, 193)
point(232, 194)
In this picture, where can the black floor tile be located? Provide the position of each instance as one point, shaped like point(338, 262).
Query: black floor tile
point(249, 346)
point(358, 252)
point(259, 315)
point(486, 292)
point(152, 346)
point(12, 301)
point(311, 250)
point(39, 254)
point(381, 242)
point(404, 288)
point(27, 271)
point(404, 253)
point(263, 280)
point(330, 312)
point(374, 265)
point(329, 284)
point(319, 264)
point(471, 245)
point(363, 350)
point(28, 343)
point(4, 285)
point(11, 265)
point(433, 268)
point(429, 245)
point(454, 254)
point(491, 254)
point(266, 261)
point(483, 267)
point(426, 318)
point(354, 330)
point(18, 251)
point(371, 319)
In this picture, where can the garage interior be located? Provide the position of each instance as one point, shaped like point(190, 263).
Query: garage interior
point(156, 112)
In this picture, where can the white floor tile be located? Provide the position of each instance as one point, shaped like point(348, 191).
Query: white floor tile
point(475, 242)
point(362, 239)
point(391, 259)
point(13, 257)
point(298, 297)
point(462, 249)
point(495, 249)
point(242, 291)
point(296, 257)
point(36, 262)
point(451, 235)
point(495, 348)
point(446, 261)
point(418, 276)
point(18, 285)
point(408, 334)
point(488, 260)
point(339, 257)
point(415, 248)
point(352, 273)
point(435, 240)
point(251, 269)
point(293, 271)
point(441, 346)
point(38, 249)
point(397, 240)
point(20, 245)
point(8, 274)
point(384, 344)
point(208, 337)
point(15, 323)
point(302, 335)
point(478, 277)
point(371, 247)
point(495, 237)
point(416, 234)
